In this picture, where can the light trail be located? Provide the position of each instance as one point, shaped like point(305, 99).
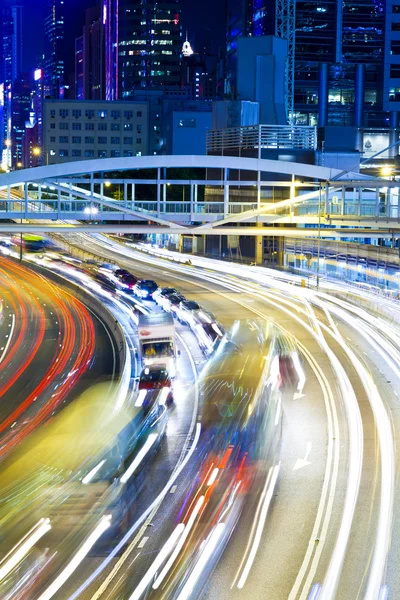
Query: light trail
point(74, 563)
point(137, 524)
point(16, 555)
point(160, 559)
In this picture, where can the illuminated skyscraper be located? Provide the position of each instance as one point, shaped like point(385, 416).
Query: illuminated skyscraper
point(11, 42)
point(90, 58)
point(142, 45)
point(111, 17)
point(54, 68)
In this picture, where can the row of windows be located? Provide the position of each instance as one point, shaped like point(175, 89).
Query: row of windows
point(89, 113)
point(100, 154)
point(77, 139)
point(100, 127)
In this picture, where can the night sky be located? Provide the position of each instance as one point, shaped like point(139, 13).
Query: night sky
point(205, 22)
point(203, 19)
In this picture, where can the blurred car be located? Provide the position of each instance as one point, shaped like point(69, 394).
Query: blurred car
point(145, 289)
point(290, 368)
point(108, 267)
point(127, 281)
point(206, 329)
point(105, 282)
point(121, 273)
point(185, 311)
point(156, 377)
point(171, 303)
point(162, 293)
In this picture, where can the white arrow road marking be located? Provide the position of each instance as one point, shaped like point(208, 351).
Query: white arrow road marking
point(297, 396)
point(303, 462)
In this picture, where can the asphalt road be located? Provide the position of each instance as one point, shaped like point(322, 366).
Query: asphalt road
point(52, 348)
point(331, 518)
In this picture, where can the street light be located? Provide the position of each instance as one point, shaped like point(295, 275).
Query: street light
point(36, 151)
point(386, 171)
point(91, 210)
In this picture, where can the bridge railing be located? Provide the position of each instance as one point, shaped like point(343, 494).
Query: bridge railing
point(295, 137)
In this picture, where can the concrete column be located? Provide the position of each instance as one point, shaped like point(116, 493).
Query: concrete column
point(58, 203)
point(164, 197)
point(259, 250)
point(158, 192)
point(26, 200)
point(393, 134)
point(226, 193)
point(133, 195)
point(326, 198)
point(359, 87)
point(359, 200)
point(323, 91)
point(196, 198)
point(292, 195)
point(125, 194)
point(191, 199)
point(343, 202)
point(377, 200)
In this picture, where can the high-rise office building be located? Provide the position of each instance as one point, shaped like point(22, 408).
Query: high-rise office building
point(10, 70)
point(245, 18)
point(11, 42)
point(54, 68)
point(347, 58)
point(90, 58)
point(149, 45)
point(339, 63)
point(20, 108)
point(111, 18)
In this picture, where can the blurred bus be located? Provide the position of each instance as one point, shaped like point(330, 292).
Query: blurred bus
point(30, 242)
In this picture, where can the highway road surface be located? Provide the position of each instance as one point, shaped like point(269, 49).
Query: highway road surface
point(51, 348)
point(330, 531)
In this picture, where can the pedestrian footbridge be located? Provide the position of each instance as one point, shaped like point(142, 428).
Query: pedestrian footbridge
point(202, 192)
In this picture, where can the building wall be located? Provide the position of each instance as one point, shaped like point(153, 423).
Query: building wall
point(79, 130)
point(189, 131)
point(261, 75)
point(391, 90)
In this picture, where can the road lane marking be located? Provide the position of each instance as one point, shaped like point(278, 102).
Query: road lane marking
point(303, 462)
point(9, 338)
point(142, 542)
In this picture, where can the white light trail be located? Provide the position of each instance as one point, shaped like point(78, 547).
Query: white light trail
point(137, 523)
point(88, 478)
point(14, 557)
point(160, 559)
point(213, 477)
point(83, 551)
point(139, 457)
point(208, 551)
point(260, 518)
point(180, 543)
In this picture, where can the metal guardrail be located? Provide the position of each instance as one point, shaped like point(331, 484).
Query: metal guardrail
point(296, 137)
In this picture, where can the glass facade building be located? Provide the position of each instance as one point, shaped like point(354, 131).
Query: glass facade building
point(347, 57)
point(149, 45)
point(53, 53)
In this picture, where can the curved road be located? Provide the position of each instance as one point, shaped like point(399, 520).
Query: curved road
point(51, 347)
point(331, 527)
